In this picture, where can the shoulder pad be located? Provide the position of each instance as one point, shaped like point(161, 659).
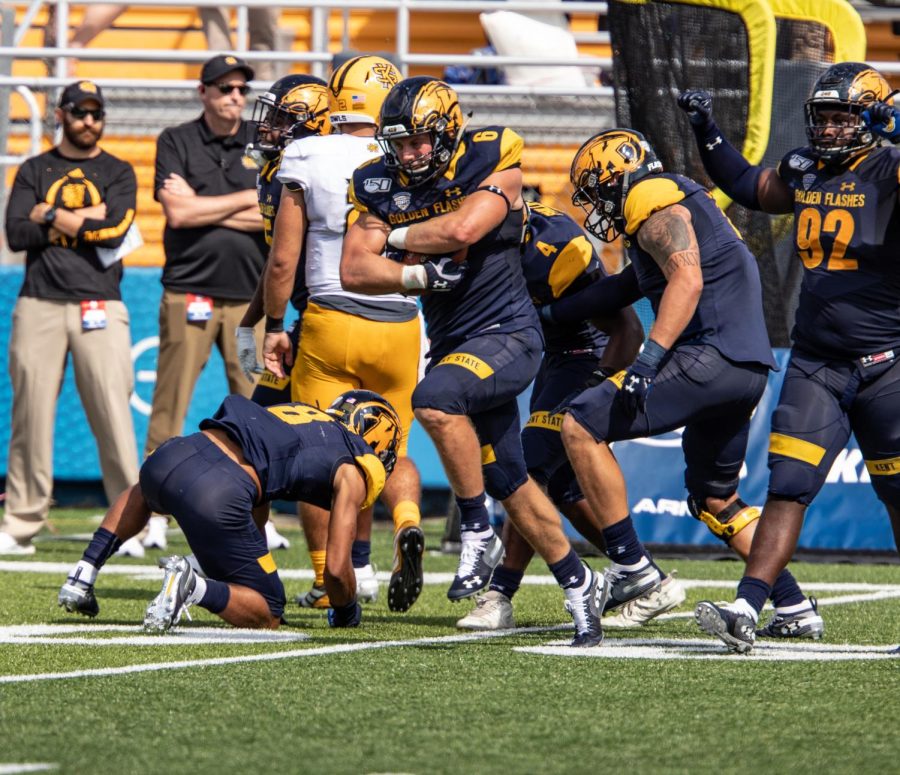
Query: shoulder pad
point(646, 197)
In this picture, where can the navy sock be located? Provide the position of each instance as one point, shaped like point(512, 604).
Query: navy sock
point(360, 553)
point(215, 599)
point(473, 514)
point(506, 580)
point(786, 591)
point(103, 545)
point(754, 591)
point(569, 571)
point(622, 543)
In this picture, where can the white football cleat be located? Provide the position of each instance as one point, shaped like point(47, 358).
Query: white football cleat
point(156, 533)
point(274, 539)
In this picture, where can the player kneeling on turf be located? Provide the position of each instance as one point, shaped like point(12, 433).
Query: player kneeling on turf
point(216, 483)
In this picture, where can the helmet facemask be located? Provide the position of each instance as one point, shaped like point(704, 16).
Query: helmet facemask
point(834, 123)
point(602, 204)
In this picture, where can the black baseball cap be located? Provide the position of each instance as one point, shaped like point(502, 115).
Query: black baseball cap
point(215, 68)
point(78, 92)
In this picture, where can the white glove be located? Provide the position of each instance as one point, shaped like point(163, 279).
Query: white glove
point(246, 343)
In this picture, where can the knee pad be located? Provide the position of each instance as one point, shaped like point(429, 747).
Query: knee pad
point(728, 522)
point(503, 473)
point(563, 486)
point(543, 446)
point(793, 480)
point(886, 486)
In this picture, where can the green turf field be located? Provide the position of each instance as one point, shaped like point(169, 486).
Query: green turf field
point(408, 693)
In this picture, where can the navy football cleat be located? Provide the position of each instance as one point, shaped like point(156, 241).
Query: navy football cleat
point(802, 624)
point(623, 586)
point(735, 630)
point(344, 618)
point(77, 597)
point(585, 608)
point(477, 561)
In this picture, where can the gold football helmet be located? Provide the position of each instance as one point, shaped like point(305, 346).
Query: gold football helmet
point(849, 88)
point(358, 87)
point(417, 106)
point(603, 170)
point(294, 106)
point(372, 417)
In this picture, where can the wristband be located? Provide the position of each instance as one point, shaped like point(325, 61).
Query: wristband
point(651, 354)
point(414, 278)
point(274, 325)
point(397, 238)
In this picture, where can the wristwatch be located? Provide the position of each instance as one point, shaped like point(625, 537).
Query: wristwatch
point(50, 216)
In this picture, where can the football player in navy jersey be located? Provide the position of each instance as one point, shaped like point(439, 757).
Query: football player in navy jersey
point(703, 366)
point(218, 483)
point(446, 202)
point(844, 372)
point(558, 260)
point(294, 106)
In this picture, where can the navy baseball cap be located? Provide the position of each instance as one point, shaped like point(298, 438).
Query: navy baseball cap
point(80, 91)
point(215, 68)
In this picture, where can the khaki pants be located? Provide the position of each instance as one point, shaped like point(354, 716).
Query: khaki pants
point(43, 333)
point(184, 349)
point(262, 29)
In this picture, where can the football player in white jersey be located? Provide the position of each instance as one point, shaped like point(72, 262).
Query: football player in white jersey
point(348, 341)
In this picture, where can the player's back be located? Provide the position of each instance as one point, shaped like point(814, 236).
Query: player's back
point(294, 448)
point(321, 167)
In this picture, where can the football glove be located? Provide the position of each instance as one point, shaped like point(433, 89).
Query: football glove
point(883, 120)
point(639, 378)
point(246, 344)
point(698, 106)
point(444, 274)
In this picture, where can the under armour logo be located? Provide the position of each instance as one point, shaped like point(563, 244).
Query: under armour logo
point(849, 186)
point(632, 384)
point(714, 143)
point(475, 581)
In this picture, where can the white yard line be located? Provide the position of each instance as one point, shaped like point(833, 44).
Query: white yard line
point(143, 571)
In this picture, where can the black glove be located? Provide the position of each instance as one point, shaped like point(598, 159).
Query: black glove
point(883, 119)
point(698, 106)
point(639, 378)
point(444, 274)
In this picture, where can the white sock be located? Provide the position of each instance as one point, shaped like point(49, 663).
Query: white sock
point(84, 573)
point(795, 609)
point(640, 565)
point(472, 535)
point(199, 591)
point(743, 607)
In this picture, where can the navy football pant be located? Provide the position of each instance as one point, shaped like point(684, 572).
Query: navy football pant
point(697, 388)
point(481, 379)
point(211, 498)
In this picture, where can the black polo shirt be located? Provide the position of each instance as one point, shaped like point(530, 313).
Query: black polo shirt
point(210, 260)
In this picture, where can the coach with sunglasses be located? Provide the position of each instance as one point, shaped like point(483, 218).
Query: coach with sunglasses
point(213, 242)
point(70, 210)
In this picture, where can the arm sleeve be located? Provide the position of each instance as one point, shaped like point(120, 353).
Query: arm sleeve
point(600, 299)
point(728, 169)
point(121, 197)
point(21, 233)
